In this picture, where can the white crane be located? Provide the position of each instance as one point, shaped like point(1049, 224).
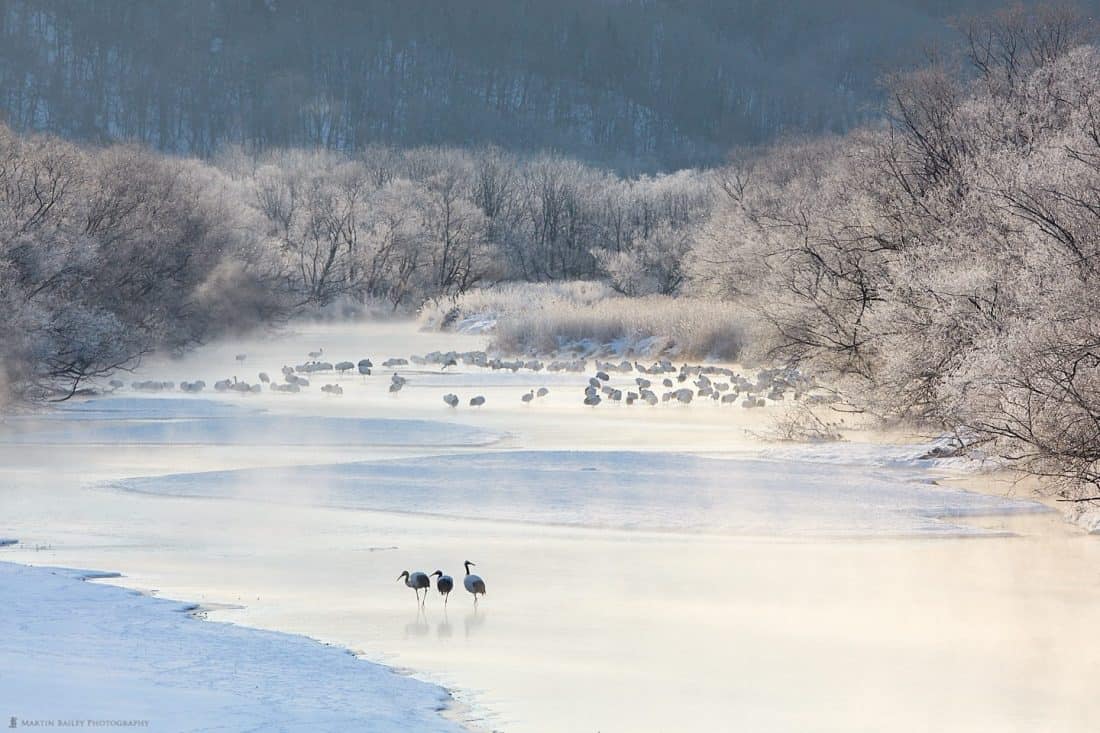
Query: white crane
point(444, 585)
point(473, 583)
point(417, 581)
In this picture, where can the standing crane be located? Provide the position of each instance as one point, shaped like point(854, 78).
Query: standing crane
point(444, 585)
point(417, 581)
point(473, 583)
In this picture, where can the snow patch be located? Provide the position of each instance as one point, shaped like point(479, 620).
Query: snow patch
point(478, 323)
point(1087, 517)
point(73, 650)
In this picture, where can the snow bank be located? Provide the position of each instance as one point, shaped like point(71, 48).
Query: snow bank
point(623, 490)
point(1084, 516)
point(921, 456)
point(77, 651)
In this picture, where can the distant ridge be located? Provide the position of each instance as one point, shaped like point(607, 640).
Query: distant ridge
point(639, 84)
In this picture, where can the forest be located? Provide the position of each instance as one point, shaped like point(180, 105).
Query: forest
point(109, 252)
point(636, 85)
point(936, 265)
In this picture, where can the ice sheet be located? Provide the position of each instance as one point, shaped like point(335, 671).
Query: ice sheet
point(621, 490)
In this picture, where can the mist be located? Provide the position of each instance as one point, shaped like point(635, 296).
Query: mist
point(727, 360)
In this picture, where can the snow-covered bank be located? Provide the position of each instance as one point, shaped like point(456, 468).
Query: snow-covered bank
point(77, 651)
point(1090, 520)
point(1085, 515)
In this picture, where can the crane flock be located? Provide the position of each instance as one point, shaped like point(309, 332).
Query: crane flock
point(610, 383)
point(625, 383)
point(420, 581)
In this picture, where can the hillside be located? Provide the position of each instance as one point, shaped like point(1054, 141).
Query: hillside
point(637, 84)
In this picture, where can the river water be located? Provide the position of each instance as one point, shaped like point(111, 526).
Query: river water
point(648, 569)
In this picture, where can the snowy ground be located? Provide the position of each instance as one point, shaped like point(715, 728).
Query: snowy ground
point(648, 568)
point(81, 654)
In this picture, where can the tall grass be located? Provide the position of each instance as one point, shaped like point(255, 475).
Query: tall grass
point(475, 309)
point(585, 317)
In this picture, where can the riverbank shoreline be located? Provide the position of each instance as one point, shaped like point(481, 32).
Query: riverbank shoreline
point(74, 649)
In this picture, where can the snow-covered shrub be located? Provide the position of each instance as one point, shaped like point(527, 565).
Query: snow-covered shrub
point(799, 423)
point(652, 266)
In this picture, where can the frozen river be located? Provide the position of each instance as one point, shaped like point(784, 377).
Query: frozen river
point(649, 569)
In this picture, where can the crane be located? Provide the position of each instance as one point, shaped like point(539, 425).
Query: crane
point(444, 585)
point(473, 583)
point(417, 581)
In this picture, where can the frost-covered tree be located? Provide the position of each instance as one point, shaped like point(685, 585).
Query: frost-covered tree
point(108, 253)
point(943, 265)
point(654, 265)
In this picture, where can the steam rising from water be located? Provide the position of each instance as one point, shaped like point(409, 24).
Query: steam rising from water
point(623, 490)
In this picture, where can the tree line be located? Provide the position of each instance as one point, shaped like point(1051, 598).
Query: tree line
point(636, 84)
point(108, 253)
point(943, 266)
